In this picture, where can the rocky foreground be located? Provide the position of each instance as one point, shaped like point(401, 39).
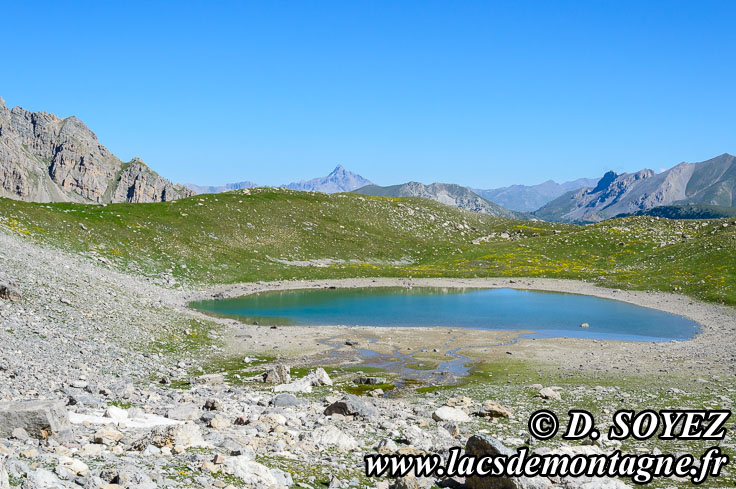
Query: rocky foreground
point(105, 384)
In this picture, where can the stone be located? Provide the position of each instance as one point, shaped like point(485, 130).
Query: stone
point(107, 436)
point(369, 380)
point(213, 404)
point(448, 413)
point(492, 409)
point(331, 436)
point(462, 401)
point(351, 405)
point(278, 374)
point(319, 377)
point(219, 422)
point(183, 435)
point(40, 419)
point(251, 472)
point(285, 400)
point(283, 479)
point(303, 385)
point(43, 479)
point(207, 379)
point(20, 434)
point(9, 291)
point(549, 394)
point(184, 412)
point(4, 480)
point(115, 413)
point(386, 446)
point(74, 466)
point(412, 482)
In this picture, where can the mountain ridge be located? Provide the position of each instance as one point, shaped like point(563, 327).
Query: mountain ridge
point(44, 158)
point(445, 193)
point(527, 198)
point(216, 189)
point(710, 182)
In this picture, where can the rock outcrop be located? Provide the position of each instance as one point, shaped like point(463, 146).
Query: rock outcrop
point(711, 182)
point(47, 159)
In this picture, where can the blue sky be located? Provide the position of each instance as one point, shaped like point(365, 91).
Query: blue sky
point(478, 93)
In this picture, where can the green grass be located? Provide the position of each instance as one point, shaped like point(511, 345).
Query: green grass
point(267, 233)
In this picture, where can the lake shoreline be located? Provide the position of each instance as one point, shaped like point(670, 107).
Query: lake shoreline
point(307, 344)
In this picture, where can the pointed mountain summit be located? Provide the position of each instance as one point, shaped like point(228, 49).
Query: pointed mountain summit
point(340, 180)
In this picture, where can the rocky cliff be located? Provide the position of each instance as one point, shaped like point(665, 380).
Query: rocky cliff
point(711, 182)
point(47, 159)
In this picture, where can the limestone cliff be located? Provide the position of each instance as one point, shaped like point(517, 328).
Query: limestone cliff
point(47, 159)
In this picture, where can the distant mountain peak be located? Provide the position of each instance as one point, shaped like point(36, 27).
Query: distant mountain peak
point(339, 180)
point(604, 182)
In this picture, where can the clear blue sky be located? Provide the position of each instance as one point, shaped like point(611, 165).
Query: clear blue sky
point(478, 93)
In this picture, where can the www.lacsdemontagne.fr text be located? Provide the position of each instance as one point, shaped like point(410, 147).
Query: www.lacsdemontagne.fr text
point(641, 468)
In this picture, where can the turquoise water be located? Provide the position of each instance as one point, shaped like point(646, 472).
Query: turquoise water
point(545, 314)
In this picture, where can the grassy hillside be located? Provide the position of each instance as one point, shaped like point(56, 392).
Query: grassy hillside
point(269, 234)
point(693, 211)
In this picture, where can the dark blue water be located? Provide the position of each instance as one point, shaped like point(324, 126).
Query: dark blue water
point(545, 314)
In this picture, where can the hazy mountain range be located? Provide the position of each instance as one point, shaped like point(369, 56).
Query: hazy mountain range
point(210, 189)
point(711, 182)
point(527, 198)
point(446, 193)
point(339, 180)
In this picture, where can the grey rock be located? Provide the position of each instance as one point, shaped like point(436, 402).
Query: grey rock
point(285, 400)
point(351, 405)
point(40, 419)
point(184, 412)
point(369, 380)
point(43, 479)
point(9, 291)
point(4, 481)
point(278, 374)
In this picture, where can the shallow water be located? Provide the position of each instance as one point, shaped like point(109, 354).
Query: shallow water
point(544, 314)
